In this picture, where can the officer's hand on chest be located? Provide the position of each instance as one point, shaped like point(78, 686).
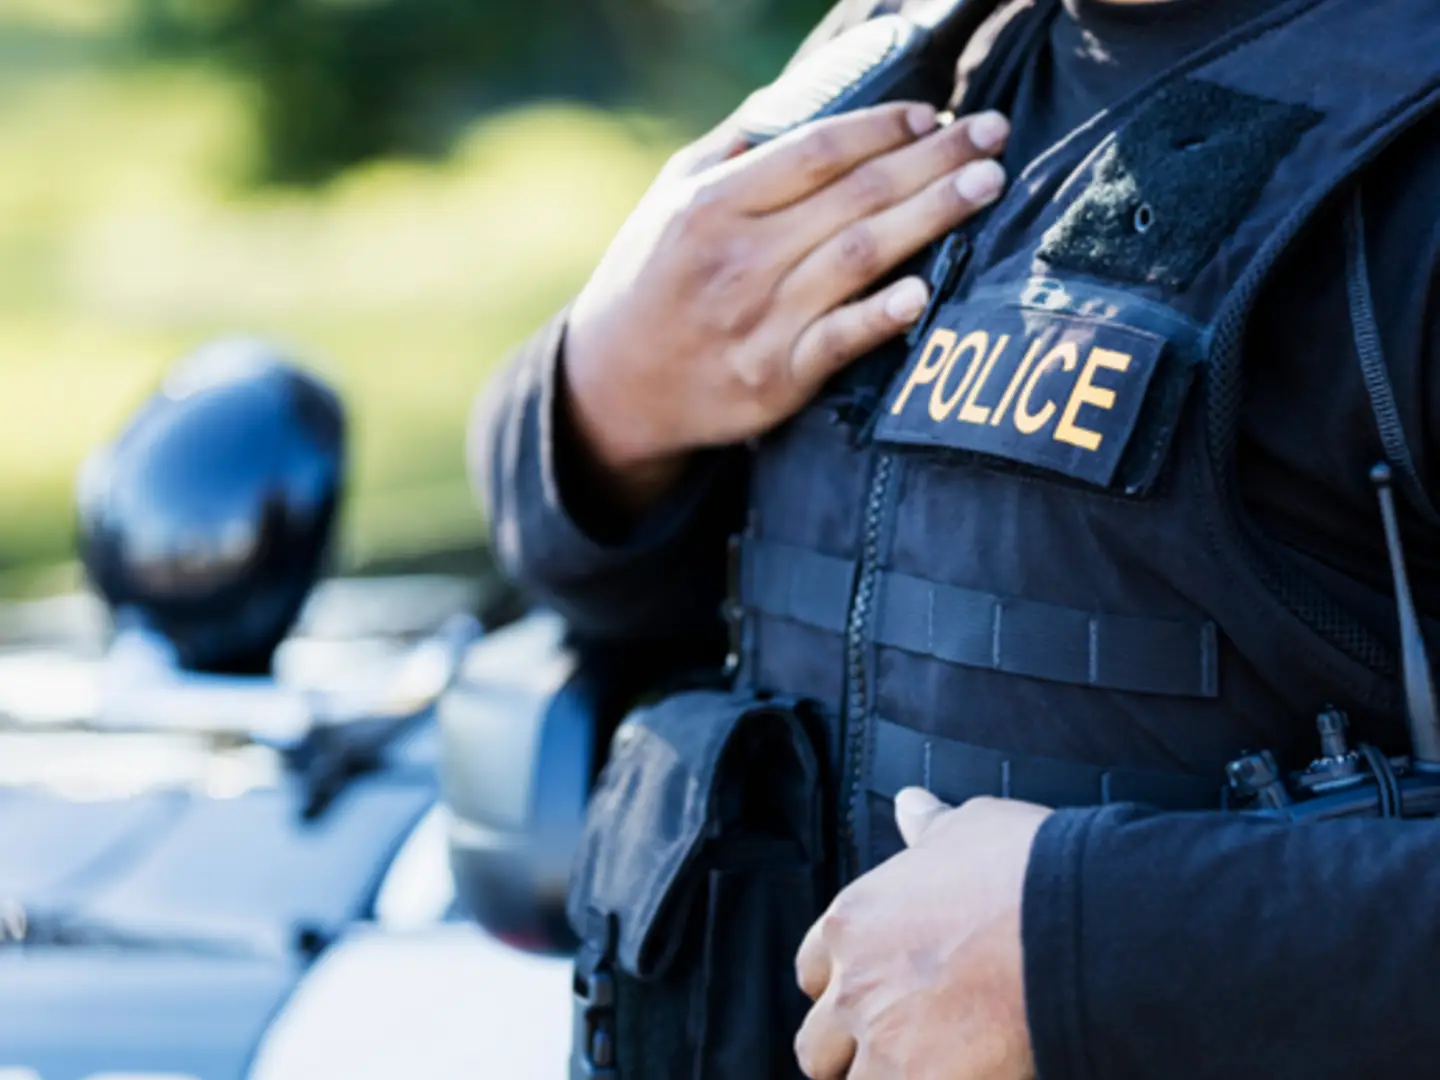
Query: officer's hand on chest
point(916, 969)
point(730, 295)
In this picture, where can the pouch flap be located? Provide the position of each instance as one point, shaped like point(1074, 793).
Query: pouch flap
point(669, 787)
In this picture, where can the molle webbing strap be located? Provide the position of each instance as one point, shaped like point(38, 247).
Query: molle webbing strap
point(975, 629)
point(955, 771)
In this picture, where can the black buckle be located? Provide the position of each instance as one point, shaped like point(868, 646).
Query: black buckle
point(593, 1053)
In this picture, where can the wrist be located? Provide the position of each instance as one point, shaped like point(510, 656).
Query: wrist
point(608, 435)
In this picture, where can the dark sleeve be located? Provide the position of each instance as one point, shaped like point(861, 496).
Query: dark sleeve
point(1209, 946)
point(662, 578)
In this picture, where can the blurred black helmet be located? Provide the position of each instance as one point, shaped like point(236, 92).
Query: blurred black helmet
point(210, 516)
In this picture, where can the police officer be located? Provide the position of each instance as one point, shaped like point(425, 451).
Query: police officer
point(1072, 517)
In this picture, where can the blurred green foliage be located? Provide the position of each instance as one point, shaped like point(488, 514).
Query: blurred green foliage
point(467, 212)
point(340, 81)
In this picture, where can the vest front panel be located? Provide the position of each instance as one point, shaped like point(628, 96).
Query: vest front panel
point(1035, 548)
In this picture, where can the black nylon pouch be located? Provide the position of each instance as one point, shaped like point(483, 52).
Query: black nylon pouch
point(700, 869)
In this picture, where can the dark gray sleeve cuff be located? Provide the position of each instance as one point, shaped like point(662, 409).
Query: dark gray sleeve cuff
point(1051, 925)
point(583, 499)
point(661, 575)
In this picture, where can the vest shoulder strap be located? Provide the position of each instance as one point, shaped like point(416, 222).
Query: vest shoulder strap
point(1373, 367)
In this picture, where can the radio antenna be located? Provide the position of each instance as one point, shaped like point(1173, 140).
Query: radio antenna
point(1420, 708)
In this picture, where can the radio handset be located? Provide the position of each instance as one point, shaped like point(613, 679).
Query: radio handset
point(907, 57)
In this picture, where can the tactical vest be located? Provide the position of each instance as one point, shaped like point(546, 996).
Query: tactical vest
point(1008, 557)
point(1035, 541)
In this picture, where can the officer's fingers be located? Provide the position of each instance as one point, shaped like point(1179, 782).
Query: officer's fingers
point(885, 181)
point(813, 962)
point(861, 253)
point(915, 811)
point(849, 332)
point(823, 1047)
point(814, 155)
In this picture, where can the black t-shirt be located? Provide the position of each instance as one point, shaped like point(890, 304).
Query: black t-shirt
point(1307, 435)
point(1098, 53)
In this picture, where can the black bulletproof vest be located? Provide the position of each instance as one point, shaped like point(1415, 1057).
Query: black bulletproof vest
point(1029, 574)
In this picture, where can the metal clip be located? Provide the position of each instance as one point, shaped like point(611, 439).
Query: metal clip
point(592, 1056)
point(1257, 778)
point(945, 274)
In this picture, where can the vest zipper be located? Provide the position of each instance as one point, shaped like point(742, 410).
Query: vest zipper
point(857, 698)
point(950, 263)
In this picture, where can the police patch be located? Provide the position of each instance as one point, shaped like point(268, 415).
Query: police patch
point(1057, 392)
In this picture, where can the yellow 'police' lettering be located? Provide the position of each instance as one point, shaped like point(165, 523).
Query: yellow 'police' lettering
point(1066, 355)
point(1015, 380)
point(926, 368)
point(972, 413)
point(1087, 393)
point(975, 343)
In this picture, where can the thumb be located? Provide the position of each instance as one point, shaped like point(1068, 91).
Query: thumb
point(915, 811)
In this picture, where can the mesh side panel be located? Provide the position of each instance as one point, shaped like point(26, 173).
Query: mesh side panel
point(1223, 387)
point(1319, 611)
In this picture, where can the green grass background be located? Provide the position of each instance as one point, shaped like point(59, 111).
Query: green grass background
point(127, 238)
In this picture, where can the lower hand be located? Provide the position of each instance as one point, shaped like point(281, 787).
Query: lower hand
point(916, 969)
point(737, 286)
